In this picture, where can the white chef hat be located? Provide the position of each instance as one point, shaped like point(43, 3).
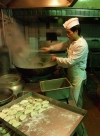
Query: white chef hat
point(71, 22)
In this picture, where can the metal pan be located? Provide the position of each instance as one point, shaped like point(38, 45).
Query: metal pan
point(33, 67)
point(36, 72)
point(6, 95)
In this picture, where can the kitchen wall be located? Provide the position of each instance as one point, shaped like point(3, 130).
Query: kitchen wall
point(34, 33)
point(91, 32)
point(94, 4)
point(36, 36)
point(35, 23)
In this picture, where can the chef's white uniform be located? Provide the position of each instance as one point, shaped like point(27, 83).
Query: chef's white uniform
point(76, 63)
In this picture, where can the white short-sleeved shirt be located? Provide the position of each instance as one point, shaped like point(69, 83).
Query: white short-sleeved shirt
point(77, 53)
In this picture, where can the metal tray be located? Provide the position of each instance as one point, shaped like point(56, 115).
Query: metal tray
point(60, 119)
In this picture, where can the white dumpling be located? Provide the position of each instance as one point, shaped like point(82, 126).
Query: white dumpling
point(2, 115)
point(33, 113)
point(33, 107)
point(41, 110)
point(24, 102)
point(8, 118)
point(45, 102)
point(22, 117)
point(19, 114)
point(37, 104)
point(16, 124)
point(29, 106)
point(14, 106)
point(45, 105)
point(40, 100)
point(11, 121)
point(27, 111)
point(38, 107)
point(31, 100)
point(13, 111)
point(20, 109)
point(5, 110)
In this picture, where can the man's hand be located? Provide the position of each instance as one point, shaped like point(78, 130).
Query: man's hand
point(45, 49)
point(53, 58)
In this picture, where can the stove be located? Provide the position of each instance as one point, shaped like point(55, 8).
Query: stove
point(58, 73)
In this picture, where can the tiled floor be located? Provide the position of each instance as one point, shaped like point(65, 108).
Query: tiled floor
point(92, 104)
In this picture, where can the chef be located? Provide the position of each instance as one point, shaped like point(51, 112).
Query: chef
point(76, 61)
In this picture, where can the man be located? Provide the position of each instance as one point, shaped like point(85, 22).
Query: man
point(77, 49)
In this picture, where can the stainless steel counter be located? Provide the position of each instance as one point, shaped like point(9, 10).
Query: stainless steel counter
point(62, 118)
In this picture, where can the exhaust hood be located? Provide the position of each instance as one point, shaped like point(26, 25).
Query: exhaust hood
point(35, 3)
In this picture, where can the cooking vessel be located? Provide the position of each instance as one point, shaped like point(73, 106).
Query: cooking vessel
point(6, 95)
point(13, 82)
point(34, 67)
point(22, 93)
point(29, 72)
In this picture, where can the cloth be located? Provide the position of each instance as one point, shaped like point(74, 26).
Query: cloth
point(76, 64)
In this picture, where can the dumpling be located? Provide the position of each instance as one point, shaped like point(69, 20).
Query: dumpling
point(5, 110)
point(22, 117)
point(2, 115)
point(16, 124)
point(24, 102)
point(41, 110)
point(33, 113)
point(27, 111)
point(19, 114)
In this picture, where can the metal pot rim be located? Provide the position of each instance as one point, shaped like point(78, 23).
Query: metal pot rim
point(5, 79)
point(7, 99)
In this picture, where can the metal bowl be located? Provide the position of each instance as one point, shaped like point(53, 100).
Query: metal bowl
point(22, 93)
point(6, 95)
point(34, 68)
point(12, 81)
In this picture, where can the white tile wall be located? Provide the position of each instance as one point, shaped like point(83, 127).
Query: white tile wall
point(37, 33)
point(33, 43)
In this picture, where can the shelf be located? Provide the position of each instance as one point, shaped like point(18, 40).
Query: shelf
point(54, 12)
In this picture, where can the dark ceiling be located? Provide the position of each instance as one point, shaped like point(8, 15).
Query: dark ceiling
point(4, 3)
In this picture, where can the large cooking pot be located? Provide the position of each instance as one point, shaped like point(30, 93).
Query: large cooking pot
point(34, 72)
point(33, 67)
point(6, 95)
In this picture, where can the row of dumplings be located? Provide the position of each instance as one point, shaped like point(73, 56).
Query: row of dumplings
point(27, 107)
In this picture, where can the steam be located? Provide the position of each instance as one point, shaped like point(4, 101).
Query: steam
point(21, 53)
